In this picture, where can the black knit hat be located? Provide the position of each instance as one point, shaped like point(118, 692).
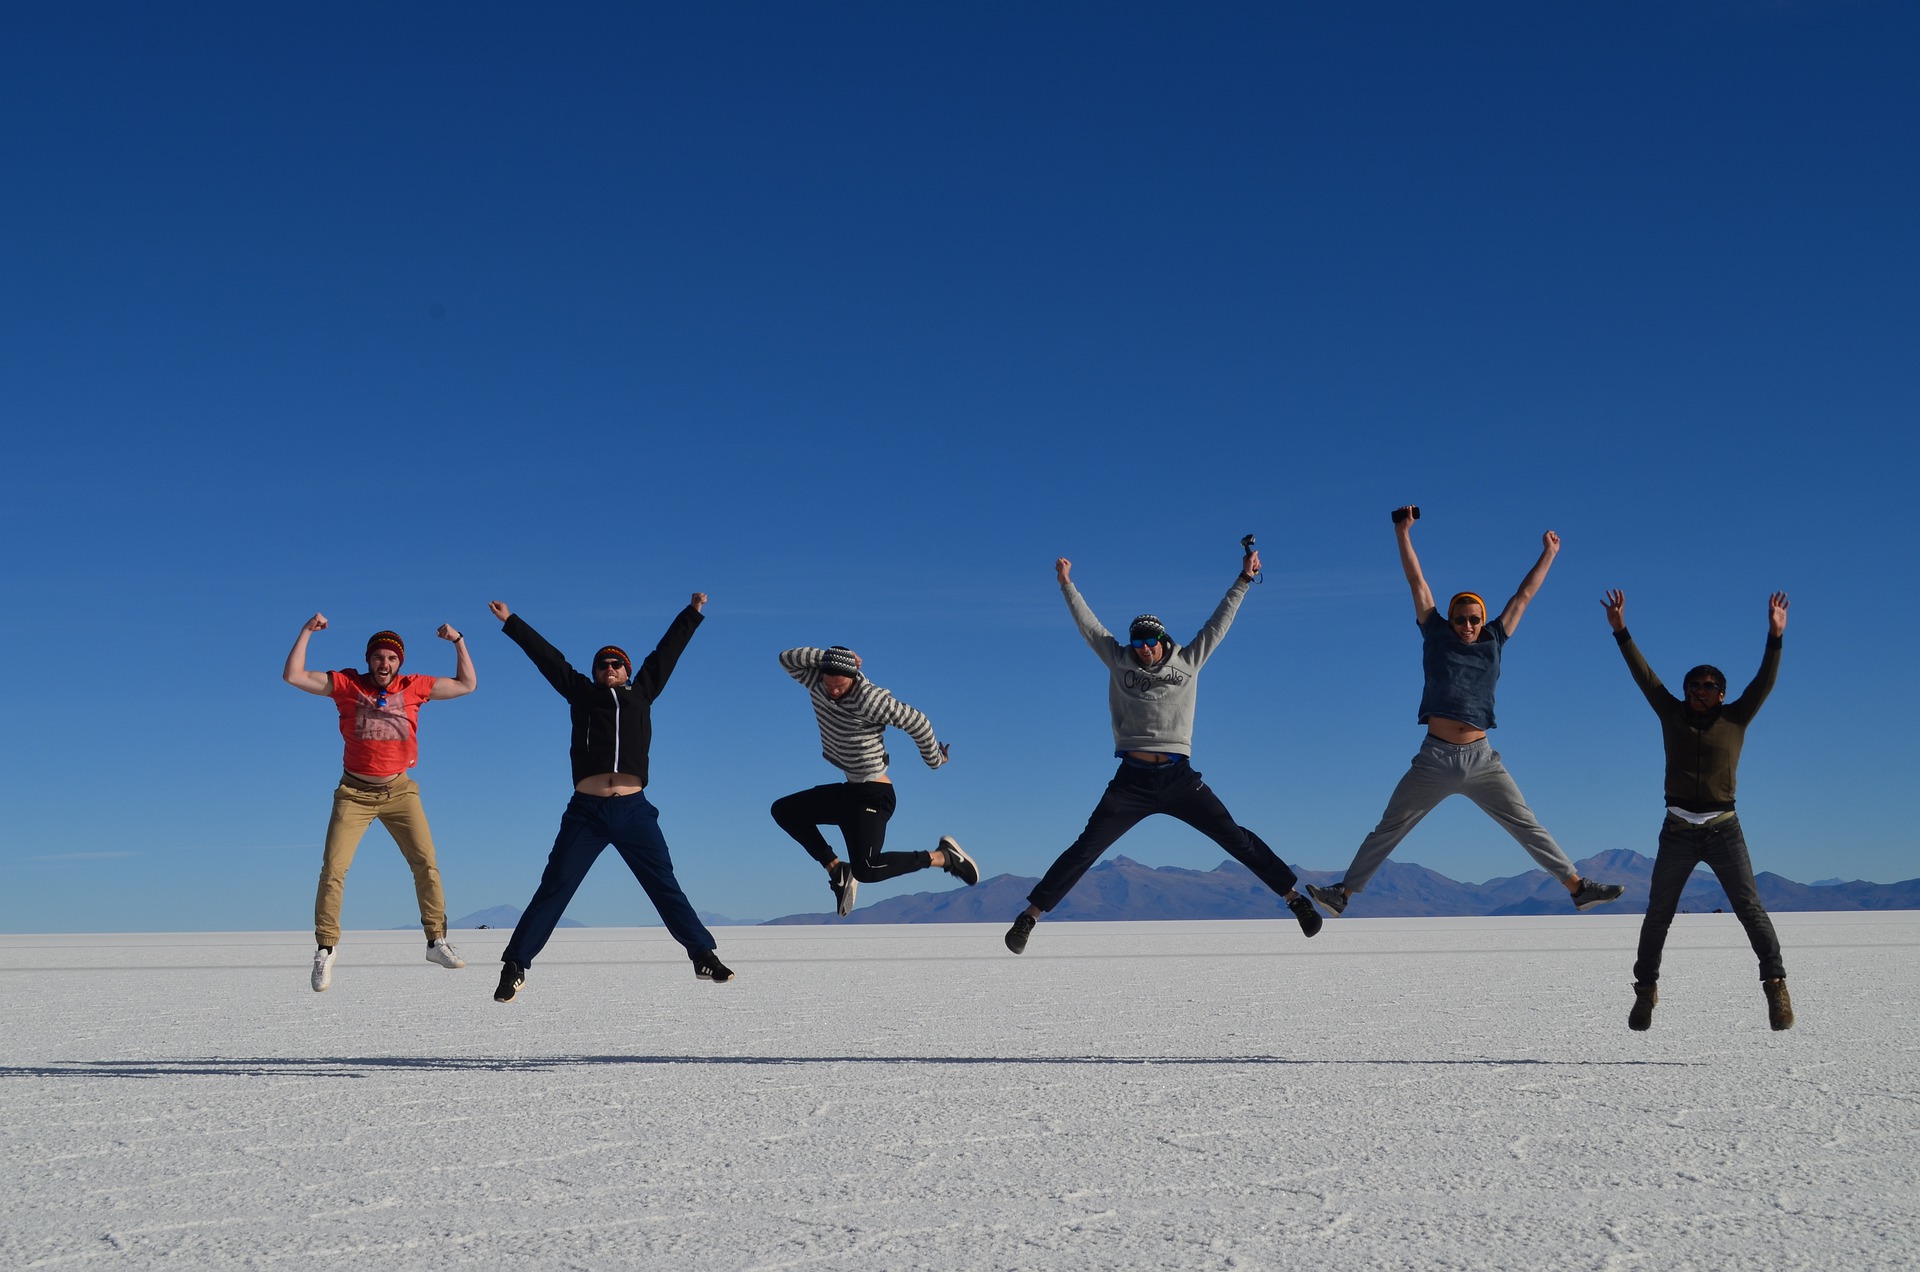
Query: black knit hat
point(1146, 627)
point(611, 651)
point(839, 661)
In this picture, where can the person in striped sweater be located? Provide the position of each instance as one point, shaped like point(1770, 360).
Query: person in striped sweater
point(853, 713)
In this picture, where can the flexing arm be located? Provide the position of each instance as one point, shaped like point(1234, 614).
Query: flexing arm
point(1637, 665)
point(801, 662)
point(1549, 548)
point(1410, 565)
point(1747, 705)
point(464, 680)
point(296, 673)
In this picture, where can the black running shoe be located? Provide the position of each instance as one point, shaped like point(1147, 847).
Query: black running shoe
point(959, 865)
point(1333, 900)
point(844, 885)
point(1640, 1019)
point(512, 978)
point(1592, 894)
point(1017, 934)
point(1310, 920)
point(708, 967)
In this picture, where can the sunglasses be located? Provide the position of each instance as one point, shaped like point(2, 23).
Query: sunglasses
point(1714, 685)
point(608, 664)
point(1149, 643)
point(1468, 620)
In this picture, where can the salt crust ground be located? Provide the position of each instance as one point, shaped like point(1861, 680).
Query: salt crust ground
point(1411, 1093)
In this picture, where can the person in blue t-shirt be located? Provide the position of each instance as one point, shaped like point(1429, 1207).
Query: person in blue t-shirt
point(1461, 658)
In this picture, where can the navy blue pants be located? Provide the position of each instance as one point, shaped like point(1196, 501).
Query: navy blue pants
point(591, 822)
point(1723, 846)
point(1136, 793)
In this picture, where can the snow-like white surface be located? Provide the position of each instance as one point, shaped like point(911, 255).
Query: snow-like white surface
point(1430, 1093)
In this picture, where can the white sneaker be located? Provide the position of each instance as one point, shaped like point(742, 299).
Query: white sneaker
point(445, 955)
point(322, 969)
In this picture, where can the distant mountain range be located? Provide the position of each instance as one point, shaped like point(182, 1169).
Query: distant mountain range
point(1121, 888)
point(508, 916)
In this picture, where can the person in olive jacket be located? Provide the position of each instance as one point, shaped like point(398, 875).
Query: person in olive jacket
point(612, 730)
point(1703, 734)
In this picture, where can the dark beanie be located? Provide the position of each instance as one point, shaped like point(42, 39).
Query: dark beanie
point(839, 661)
point(613, 651)
point(1146, 627)
point(387, 640)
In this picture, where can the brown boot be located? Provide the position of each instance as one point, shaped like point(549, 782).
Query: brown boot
point(1779, 1005)
point(1641, 1017)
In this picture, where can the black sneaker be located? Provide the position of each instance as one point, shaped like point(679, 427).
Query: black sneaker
point(1592, 894)
point(1017, 934)
point(1779, 1006)
point(709, 967)
point(1333, 900)
point(959, 865)
point(1310, 920)
point(1640, 1018)
point(844, 885)
point(512, 978)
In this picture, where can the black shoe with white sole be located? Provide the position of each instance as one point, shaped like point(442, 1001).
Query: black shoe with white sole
point(708, 967)
point(1332, 899)
point(513, 978)
point(844, 886)
point(959, 865)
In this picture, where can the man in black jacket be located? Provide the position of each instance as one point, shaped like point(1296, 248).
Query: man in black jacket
point(612, 730)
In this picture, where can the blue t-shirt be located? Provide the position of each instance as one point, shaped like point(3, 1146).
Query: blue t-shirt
point(1460, 677)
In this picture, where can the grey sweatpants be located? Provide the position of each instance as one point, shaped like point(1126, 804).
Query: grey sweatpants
point(1444, 768)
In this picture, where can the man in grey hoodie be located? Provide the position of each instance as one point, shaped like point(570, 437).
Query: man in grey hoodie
point(1152, 684)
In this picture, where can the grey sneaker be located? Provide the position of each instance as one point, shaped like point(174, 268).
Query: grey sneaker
point(322, 968)
point(1640, 1018)
point(1017, 934)
point(1310, 920)
point(1332, 899)
point(445, 955)
point(513, 978)
point(959, 865)
point(1779, 1005)
point(844, 885)
point(1592, 894)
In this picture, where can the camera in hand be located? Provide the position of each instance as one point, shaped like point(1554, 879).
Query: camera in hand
point(1401, 514)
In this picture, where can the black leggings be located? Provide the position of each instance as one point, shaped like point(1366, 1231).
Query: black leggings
point(860, 810)
point(1135, 794)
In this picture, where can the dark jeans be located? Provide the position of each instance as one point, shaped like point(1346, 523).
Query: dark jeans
point(1137, 793)
point(1724, 848)
point(591, 822)
point(860, 810)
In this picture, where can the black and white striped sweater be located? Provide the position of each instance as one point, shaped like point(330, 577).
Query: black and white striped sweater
point(851, 728)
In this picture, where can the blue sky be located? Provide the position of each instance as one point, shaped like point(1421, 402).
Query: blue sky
point(856, 317)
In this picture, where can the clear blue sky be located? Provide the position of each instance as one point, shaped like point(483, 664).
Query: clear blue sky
point(856, 317)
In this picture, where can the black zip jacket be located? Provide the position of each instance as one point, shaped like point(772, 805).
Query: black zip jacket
point(612, 728)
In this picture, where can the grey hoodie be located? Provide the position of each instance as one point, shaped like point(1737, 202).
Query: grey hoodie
point(1152, 707)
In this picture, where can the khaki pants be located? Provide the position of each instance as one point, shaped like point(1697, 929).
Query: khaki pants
point(397, 805)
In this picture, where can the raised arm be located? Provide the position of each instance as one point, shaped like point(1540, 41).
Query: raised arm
point(650, 677)
point(1656, 693)
point(1410, 565)
point(1549, 548)
point(1204, 641)
point(464, 680)
point(1098, 638)
point(550, 662)
point(1747, 705)
point(801, 662)
point(296, 673)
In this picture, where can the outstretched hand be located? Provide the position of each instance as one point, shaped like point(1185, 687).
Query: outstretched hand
point(1616, 603)
point(318, 623)
point(1550, 543)
point(1777, 614)
point(699, 602)
point(1250, 564)
point(499, 610)
point(1061, 568)
point(446, 632)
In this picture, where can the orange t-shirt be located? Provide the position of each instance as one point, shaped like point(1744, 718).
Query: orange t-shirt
point(382, 728)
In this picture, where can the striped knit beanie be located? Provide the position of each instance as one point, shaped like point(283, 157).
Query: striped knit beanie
point(387, 640)
point(1146, 627)
point(611, 651)
point(839, 661)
